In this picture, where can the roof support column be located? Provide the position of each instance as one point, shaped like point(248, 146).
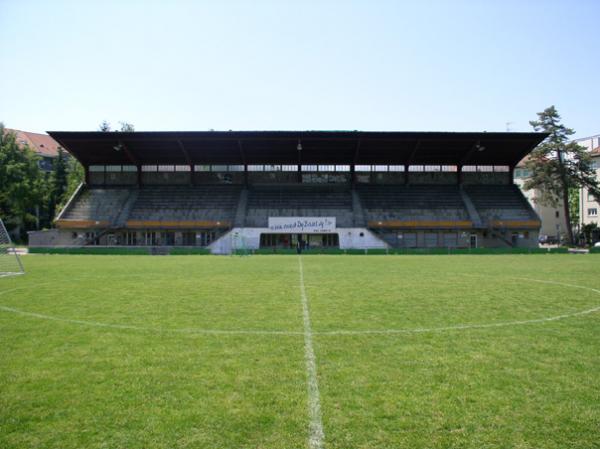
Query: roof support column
point(409, 161)
point(459, 174)
point(86, 168)
point(139, 175)
point(244, 162)
point(352, 175)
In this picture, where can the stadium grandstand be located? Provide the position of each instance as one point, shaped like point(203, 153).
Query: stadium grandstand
point(296, 189)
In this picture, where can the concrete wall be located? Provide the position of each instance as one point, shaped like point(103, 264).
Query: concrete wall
point(432, 177)
point(249, 238)
point(486, 178)
point(553, 218)
point(166, 178)
point(53, 237)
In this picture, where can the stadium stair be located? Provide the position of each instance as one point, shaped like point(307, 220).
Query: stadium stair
point(266, 201)
point(242, 206)
point(358, 214)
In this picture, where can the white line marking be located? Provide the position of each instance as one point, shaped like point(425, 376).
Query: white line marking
point(316, 434)
point(478, 326)
point(331, 332)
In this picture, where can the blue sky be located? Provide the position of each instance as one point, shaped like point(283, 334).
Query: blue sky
point(366, 65)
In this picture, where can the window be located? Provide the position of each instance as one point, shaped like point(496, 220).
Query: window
point(590, 197)
point(557, 214)
point(131, 238)
point(431, 239)
point(593, 212)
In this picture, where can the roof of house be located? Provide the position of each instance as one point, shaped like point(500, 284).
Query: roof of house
point(41, 144)
point(298, 147)
point(596, 151)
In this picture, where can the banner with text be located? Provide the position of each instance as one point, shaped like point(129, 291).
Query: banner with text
point(302, 225)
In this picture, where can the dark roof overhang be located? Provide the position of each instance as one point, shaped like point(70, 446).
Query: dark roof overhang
point(281, 147)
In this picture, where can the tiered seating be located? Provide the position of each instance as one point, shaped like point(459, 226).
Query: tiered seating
point(500, 202)
point(299, 201)
point(102, 205)
point(412, 202)
point(186, 203)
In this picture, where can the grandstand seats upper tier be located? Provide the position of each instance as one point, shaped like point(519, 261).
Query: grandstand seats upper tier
point(182, 203)
point(500, 202)
point(97, 205)
point(412, 202)
point(299, 201)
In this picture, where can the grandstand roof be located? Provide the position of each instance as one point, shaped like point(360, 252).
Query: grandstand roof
point(281, 147)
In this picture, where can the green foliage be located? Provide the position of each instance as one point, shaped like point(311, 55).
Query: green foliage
point(75, 176)
point(589, 232)
point(126, 127)
point(574, 204)
point(58, 181)
point(91, 250)
point(559, 166)
point(23, 185)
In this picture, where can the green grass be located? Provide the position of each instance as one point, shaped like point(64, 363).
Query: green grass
point(117, 355)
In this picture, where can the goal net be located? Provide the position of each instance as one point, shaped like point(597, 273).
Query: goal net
point(10, 264)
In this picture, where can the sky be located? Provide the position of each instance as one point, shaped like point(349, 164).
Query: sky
point(282, 65)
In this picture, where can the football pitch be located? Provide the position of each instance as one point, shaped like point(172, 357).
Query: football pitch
point(301, 352)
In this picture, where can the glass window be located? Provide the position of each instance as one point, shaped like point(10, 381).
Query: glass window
point(218, 168)
point(592, 212)
point(182, 168)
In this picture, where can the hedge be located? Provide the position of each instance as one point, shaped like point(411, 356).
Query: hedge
point(267, 251)
point(91, 251)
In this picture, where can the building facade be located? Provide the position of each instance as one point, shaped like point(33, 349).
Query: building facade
point(589, 206)
point(553, 219)
point(41, 144)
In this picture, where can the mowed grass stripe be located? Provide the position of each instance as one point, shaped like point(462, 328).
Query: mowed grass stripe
point(529, 386)
point(72, 386)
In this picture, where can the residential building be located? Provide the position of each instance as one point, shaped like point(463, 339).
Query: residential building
point(553, 217)
point(589, 206)
point(41, 144)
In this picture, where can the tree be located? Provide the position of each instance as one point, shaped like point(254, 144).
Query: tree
point(126, 127)
point(558, 165)
point(23, 186)
point(58, 181)
point(75, 176)
point(104, 126)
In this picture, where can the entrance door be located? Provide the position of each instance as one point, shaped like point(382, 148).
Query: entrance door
point(473, 241)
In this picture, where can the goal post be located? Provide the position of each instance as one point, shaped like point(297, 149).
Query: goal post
point(10, 263)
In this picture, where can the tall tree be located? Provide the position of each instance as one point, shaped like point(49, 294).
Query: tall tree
point(126, 127)
point(558, 165)
point(23, 186)
point(75, 176)
point(58, 181)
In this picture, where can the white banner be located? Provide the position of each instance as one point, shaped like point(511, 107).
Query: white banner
point(302, 225)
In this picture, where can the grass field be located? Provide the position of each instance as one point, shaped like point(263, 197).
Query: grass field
point(282, 352)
